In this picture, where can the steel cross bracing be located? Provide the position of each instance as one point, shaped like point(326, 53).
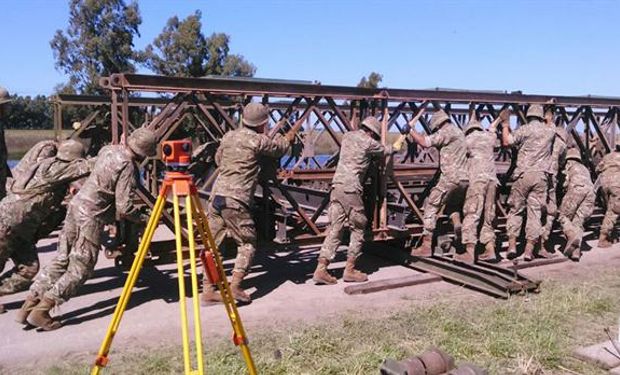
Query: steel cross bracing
point(294, 194)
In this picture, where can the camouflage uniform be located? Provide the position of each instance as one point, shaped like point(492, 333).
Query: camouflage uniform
point(33, 194)
point(609, 176)
point(357, 151)
point(41, 150)
point(107, 192)
point(450, 142)
point(483, 182)
point(233, 192)
point(534, 142)
point(578, 202)
point(557, 159)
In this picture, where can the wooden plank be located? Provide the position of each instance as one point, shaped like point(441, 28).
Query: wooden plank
point(386, 284)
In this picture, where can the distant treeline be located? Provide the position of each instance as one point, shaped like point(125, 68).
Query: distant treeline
point(30, 112)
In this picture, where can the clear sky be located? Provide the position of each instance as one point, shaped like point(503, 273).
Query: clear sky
point(550, 47)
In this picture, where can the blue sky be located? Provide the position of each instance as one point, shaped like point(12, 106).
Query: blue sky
point(551, 47)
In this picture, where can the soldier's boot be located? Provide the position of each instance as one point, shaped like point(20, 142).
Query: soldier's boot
point(40, 315)
point(489, 252)
point(27, 307)
point(351, 275)
point(528, 254)
point(235, 287)
point(2, 309)
point(603, 241)
point(468, 256)
point(210, 294)
point(424, 250)
point(573, 244)
point(512, 248)
point(545, 247)
point(455, 217)
point(321, 276)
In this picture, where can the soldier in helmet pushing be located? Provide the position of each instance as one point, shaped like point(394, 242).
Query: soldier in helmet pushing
point(358, 149)
point(107, 193)
point(232, 196)
point(5, 103)
point(534, 142)
point(34, 193)
point(609, 177)
point(452, 184)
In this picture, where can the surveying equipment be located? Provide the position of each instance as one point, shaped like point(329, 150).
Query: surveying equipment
point(178, 183)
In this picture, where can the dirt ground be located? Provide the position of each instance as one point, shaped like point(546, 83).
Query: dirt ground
point(281, 287)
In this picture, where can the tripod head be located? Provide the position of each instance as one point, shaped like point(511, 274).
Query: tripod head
point(176, 155)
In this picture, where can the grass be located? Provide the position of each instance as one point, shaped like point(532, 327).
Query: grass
point(19, 141)
point(524, 335)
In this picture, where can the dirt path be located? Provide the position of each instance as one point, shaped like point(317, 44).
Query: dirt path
point(282, 290)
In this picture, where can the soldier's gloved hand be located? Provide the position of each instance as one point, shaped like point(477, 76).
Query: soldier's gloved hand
point(406, 129)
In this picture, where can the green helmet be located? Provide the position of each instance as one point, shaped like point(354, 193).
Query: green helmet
point(535, 110)
point(4, 96)
point(70, 150)
point(143, 142)
point(473, 125)
point(439, 117)
point(255, 115)
point(574, 154)
point(371, 123)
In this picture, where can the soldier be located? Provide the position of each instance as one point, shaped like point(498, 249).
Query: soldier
point(577, 204)
point(5, 102)
point(480, 196)
point(107, 193)
point(534, 142)
point(609, 177)
point(358, 149)
point(450, 142)
point(33, 194)
point(557, 159)
point(232, 196)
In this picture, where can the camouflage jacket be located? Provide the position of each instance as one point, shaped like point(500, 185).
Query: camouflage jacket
point(559, 152)
point(534, 141)
point(37, 191)
point(38, 152)
point(238, 161)
point(577, 175)
point(480, 151)
point(450, 142)
point(357, 151)
point(609, 169)
point(109, 190)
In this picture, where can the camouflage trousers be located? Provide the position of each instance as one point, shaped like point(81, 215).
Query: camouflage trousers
point(446, 192)
point(78, 250)
point(23, 252)
point(479, 203)
point(576, 207)
point(344, 208)
point(552, 208)
point(230, 218)
point(612, 197)
point(529, 192)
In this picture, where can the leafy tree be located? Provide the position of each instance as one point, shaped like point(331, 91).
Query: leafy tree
point(182, 50)
point(372, 82)
point(30, 113)
point(97, 42)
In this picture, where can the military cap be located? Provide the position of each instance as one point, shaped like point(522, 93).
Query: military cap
point(255, 115)
point(438, 118)
point(371, 123)
point(473, 125)
point(535, 110)
point(4, 96)
point(573, 153)
point(70, 150)
point(143, 142)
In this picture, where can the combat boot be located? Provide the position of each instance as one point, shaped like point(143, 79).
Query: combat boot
point(2, 309)
point(210, 294)
point(29, 304)
point(351, 275)
point(468, 256)
point(489, 252)
point(40, 315)
point(235, 287)
point(603, 241)
point(457, 224)
point(425, 249)
point(321, 276)
point(528, 254)
point(544, 250)
point(512, 248)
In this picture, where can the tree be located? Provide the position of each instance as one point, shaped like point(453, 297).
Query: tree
point(372, 82)
point(97, 42)
point(182, 50)
point(30, 113)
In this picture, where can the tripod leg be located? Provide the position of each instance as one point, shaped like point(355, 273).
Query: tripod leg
point(181, 278)
point(240, 337)
point(194, 279)
point(102, 356)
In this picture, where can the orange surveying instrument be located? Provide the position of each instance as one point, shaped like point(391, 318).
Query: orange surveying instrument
point(179, 184)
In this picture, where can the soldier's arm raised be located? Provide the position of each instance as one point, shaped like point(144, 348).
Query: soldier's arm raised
point(275, 147)
point(503, 118)
point(506, 136)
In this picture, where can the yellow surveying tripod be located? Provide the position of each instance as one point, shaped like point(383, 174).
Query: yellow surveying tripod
point(178, 182)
